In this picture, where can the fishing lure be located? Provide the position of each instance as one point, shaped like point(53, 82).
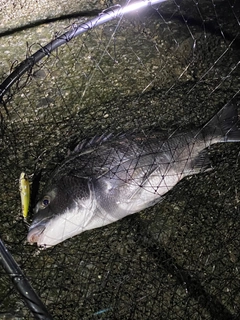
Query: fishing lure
point(24, 188)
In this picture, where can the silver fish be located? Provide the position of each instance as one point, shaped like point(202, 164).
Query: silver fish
point(110, 177)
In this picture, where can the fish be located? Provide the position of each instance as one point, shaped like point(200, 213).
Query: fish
point(24, 188)
point(111, 176)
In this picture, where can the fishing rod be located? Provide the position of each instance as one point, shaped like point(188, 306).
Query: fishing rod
point(106, 15)
point(22, 285)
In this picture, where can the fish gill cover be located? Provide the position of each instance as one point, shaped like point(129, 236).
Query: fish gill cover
point(158, 72)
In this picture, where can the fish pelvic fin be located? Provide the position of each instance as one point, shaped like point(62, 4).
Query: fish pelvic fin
point(224, 126)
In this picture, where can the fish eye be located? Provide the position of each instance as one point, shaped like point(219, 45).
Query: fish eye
point(45, 202)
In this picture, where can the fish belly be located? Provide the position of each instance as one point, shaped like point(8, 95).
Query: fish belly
point(121, 199)
point(151, 192)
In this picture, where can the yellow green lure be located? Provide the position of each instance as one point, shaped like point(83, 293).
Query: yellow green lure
point(24, 188)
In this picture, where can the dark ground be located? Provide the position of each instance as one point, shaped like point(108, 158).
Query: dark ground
point(177, 260)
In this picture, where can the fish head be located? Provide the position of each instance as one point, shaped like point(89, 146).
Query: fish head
point(61, 213)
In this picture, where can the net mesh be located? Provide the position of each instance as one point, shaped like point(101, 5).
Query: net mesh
point(171, 66)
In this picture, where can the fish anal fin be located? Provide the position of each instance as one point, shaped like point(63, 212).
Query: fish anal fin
point(201, 163)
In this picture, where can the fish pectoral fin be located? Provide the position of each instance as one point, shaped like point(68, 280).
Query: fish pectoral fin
point(201, 163)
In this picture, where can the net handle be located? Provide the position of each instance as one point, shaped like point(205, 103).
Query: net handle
point(22, 285)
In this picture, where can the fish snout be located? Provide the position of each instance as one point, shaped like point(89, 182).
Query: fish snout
point(34, 233)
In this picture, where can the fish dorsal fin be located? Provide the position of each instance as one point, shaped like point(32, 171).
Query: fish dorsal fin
point(91, 143)
point(98, 140)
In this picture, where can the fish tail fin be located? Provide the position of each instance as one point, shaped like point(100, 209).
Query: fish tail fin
point(224, 126)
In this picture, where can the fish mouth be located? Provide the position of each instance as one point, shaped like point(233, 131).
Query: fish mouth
point(35, 233)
